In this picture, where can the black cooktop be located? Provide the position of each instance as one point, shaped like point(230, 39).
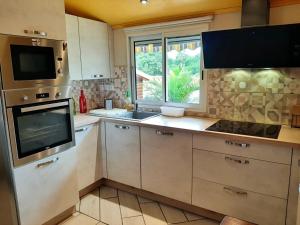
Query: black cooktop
point(246, 128)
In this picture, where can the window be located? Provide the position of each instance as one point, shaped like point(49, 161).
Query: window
point(167, 71)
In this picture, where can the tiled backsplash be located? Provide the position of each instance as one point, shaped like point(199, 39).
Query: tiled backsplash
point(264, 96)
point(97, 90)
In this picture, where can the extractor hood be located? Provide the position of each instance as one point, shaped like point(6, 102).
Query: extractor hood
point(255, 45)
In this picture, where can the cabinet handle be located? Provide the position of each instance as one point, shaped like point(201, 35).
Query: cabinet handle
point(36, 32)
point(122, 127)
point(240, 161)
point(97, 75)
point(242, 145)
point(81, 130)
point(159, 132)
point(235, 191)
point(47, 163)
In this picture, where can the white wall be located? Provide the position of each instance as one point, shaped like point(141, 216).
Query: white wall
point(278, 15)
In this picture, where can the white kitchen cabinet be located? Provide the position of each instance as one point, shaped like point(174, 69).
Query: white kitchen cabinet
point(89, 155)
point(166, 162)
point(89, 48)
point(73, 47)
point(46, 188)
point(46, 16)
point(239, 203)
point(246, 173)
point(94, 45)
point(123, 154)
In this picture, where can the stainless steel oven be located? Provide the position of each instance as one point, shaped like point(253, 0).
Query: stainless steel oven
point(39, 125)
point(33, 62)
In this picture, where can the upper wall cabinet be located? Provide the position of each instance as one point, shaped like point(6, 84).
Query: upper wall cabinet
point(73, 47)
point(34, 18)
point(89, 48)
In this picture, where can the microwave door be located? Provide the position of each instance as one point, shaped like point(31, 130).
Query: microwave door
point(40, 130)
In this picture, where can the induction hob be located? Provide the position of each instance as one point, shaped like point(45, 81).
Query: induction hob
point(246, 128)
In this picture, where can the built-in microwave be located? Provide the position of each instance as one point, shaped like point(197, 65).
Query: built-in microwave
point(33, 62)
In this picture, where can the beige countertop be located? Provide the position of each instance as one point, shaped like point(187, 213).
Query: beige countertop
point(288, 136)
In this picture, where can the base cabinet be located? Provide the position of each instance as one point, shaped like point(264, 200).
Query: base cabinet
point(88, 150)
point(166, 162)
point(245, 205)
point(46, 188)
point(123, 154)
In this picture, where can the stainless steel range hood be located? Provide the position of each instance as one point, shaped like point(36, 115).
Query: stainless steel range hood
point(255, 13)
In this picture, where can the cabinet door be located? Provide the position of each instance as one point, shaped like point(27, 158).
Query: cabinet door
point(45, 16)
point(94, 46)
point(73, 47)
point(166, 162)
point(46, 188)
point(123, 154)
point(88, 149)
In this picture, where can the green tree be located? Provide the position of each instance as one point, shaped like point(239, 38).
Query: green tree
point(180, 85)
point(149, 62)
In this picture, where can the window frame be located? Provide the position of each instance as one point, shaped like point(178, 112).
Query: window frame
point(201, 107)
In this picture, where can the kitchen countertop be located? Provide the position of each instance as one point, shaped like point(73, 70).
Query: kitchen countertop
point(287, 136)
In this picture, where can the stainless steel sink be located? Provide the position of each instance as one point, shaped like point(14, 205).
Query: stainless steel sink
point(137, 115)
point(133, 115)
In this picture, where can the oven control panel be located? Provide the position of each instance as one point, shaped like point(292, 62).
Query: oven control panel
point(36, 95)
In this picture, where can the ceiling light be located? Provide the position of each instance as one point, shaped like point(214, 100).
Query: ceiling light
point(144, 2)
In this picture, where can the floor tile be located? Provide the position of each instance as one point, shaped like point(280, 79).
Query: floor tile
point(129, 204)
point(137, 220)
point(90, 203)
point(201, 222)
point(79, 219)
point(153, 214)
point(108, 192)
point(144, 200)
point(192, 216)
point(173, 215)
point(110, 211)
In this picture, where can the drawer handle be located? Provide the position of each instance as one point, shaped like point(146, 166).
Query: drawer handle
point(47, 163)
point(240, 161)
point(81, 130)
point(242, 145)
point(235, 191)
point(98, 75)
point(159, 132)
point(36, 32)
point(122, 127)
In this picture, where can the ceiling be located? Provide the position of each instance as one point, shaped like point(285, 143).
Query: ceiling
point(124, 13)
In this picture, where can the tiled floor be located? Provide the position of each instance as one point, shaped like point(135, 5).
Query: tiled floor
point(114, 207)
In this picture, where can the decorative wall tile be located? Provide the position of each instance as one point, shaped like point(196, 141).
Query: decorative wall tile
point(227, 98)
point(96, 91)
point(264, 95)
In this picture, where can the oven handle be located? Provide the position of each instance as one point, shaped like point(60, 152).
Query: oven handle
point(46, 106)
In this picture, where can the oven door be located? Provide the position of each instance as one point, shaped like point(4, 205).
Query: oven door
point(32, 62)
point(40, 130)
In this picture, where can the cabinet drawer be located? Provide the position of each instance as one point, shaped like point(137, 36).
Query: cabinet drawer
point(262, 151)
point(245, 205)
point(46, 188)
point(250, 174)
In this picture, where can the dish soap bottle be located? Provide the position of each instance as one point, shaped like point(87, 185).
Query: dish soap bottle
point(82, 102)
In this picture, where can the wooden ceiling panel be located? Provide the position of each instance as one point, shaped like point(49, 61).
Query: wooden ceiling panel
point(124, 13)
